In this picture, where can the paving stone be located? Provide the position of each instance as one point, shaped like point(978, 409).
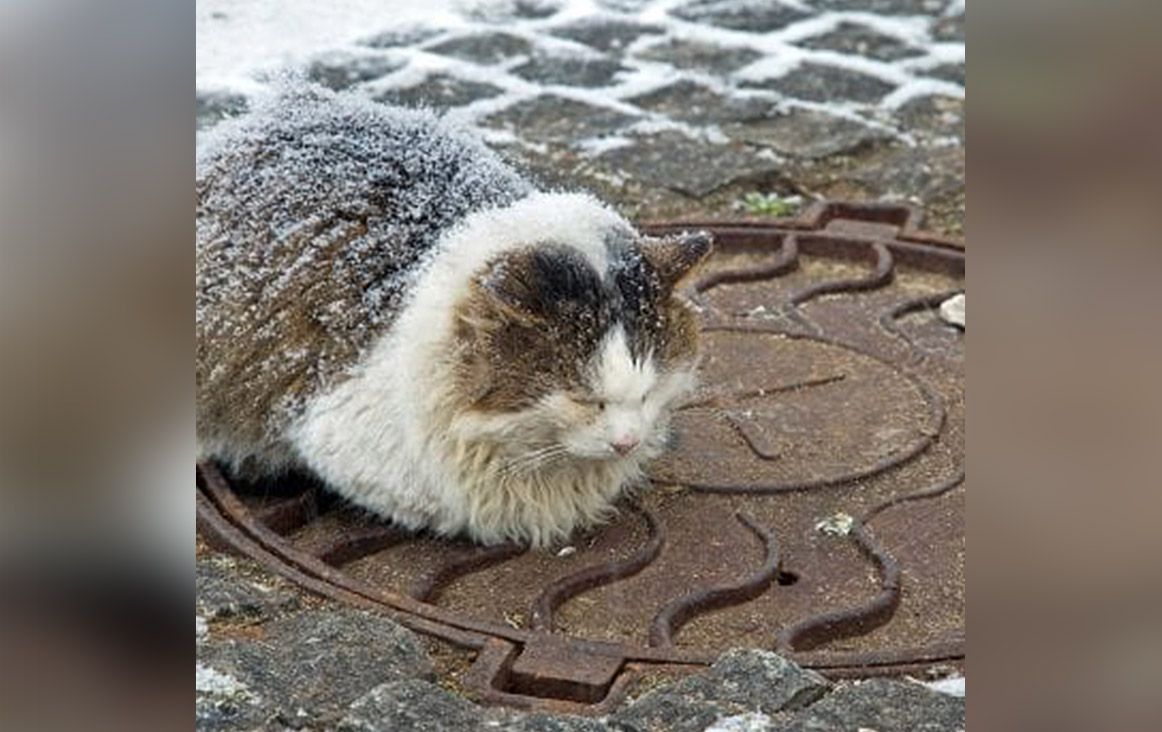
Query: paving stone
point(903, 172)
point(884, 706)
point(400, 37)
point(212, 108)
point(222, 702)
point(222, 592)
point(933, 117)
point(807, 133)
point(484, 48)
point(605, 34)
point(758, 16)
point(948, 72)
point(497, 11)
point(341, 71)
point(624, 6)
point(411, 706)
point(550, 118)
point(740, 682)
point(440, 91)
point(405, 36)
point(309, 666)
point(885, 7)
point(853, 38)
point(822, 83)
point(580, 71)
point(685, 54)
point(949, 29)
point(674, 161)
point(692, 102)
point(553, 723)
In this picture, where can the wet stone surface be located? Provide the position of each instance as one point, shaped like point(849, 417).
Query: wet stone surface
point(741, 681)
point(937, 119)
point(604, 34)
point(885, 706)
point(550, 118)
point(690, 101)
point(343, 71)
point(440, 91)
point(305, 668)
point(400, 37)
point(684, 54)
point(885, 7)
point(573, 70)
point(950, 29)
point(806, 133)
point(483, 48)
point(759, 16)
point(411, 705)
point(860, 40)
point(949, 72)
point(223, 592)
point(820, 83)
point(499, 11)
point(674, 161)
point(212, 108)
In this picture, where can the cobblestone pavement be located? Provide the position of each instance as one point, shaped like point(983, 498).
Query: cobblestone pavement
point(667, 108)
point(268, 657)
point(679, 108)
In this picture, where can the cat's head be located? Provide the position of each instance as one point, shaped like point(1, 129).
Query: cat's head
point(581, 349)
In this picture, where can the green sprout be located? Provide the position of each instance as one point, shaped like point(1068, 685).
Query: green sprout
point(770, 204)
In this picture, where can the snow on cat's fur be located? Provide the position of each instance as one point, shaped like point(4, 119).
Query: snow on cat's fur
point(381, 301)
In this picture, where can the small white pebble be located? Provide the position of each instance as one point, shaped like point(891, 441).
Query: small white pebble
point(952, 310)
point(567, 551)
point(838, 525)
point(200, 628)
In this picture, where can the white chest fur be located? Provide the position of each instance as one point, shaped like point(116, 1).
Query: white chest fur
point(389, 437)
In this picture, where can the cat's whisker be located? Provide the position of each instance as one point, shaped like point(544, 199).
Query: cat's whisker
point(528, 462)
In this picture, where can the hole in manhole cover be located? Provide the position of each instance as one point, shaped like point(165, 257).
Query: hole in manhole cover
point(813, 502)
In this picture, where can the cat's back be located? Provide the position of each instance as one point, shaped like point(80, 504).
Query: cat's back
point(313, 216)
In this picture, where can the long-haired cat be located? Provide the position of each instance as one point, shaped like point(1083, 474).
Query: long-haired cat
point(381, 301)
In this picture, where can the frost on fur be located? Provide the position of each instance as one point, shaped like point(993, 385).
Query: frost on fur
point(381, 301)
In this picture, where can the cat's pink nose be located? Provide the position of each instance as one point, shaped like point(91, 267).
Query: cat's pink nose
point(624, 445)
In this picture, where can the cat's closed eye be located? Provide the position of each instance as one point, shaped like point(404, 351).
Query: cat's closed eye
point(590, 402)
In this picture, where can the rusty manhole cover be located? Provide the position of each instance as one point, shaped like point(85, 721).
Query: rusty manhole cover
point(814, 502)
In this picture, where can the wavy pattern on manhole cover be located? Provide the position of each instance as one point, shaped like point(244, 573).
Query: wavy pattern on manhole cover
point(813, 502)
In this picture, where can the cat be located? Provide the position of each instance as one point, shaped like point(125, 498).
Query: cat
point(382, 301)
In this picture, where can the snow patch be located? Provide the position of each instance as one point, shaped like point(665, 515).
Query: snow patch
point(213, 682)
point(953, 686)
point(749, 722)
point(239, 40)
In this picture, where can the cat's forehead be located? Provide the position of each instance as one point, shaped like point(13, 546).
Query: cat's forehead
point(618, 375)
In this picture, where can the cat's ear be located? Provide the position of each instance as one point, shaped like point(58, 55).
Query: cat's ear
point(675, 257)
